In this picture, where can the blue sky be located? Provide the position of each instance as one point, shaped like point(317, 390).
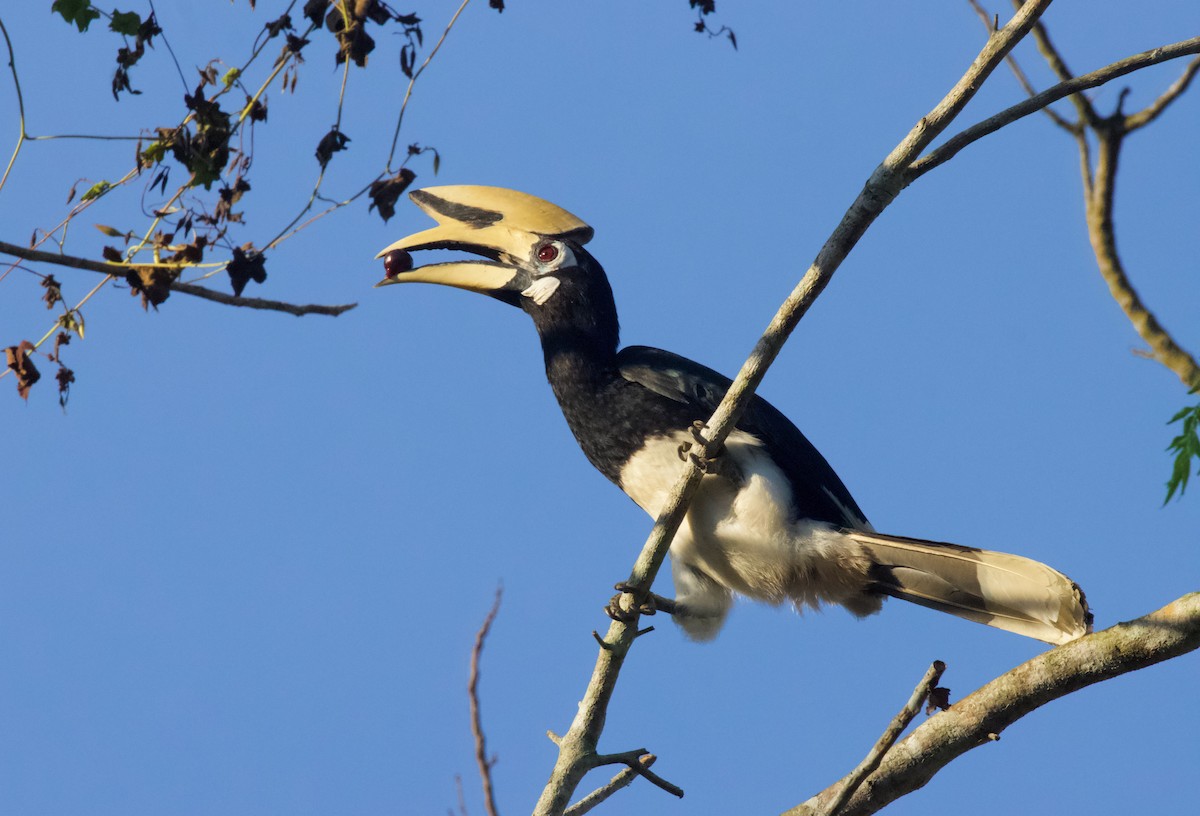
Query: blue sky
point(242, 573)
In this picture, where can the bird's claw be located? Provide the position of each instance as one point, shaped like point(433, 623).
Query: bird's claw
point(644, 603)
point(686, 453)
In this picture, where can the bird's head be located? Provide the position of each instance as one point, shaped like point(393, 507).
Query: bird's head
point(527, 245)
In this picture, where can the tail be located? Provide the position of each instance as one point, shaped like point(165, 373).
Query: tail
point(1006, 591)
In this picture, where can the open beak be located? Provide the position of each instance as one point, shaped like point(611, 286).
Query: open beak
point(503, 226)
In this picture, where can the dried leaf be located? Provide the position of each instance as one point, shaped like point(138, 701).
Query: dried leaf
point(20, 365)
point(939, 700)
point(153, 283)
point(385, 192)
point(331, 143)
point(65, 377)
point(248, 264)
point(53, 291)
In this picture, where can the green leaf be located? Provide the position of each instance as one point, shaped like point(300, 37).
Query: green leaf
point(231, 76)
point(125, 22)
point(1186, 447)
point(79, 12)
point(96, 190)
point(154, 152)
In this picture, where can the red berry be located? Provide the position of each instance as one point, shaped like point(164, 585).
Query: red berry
point(395, 262)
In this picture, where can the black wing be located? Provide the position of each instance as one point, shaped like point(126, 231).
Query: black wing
point(818, 492)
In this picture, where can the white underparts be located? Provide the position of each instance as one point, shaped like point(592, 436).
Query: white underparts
point(740, 536)
point(541, 289)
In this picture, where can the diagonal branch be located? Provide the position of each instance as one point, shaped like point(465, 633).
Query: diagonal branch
point(1170, 632)
point(892, 733)
point(578, 747)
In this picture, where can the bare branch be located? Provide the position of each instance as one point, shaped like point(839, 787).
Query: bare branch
point(990, 24)
point(481, 758)
point(578, 746)
point(1170, 632)
point(621, 780)
point(1087, 113)
point(1152, 111)
point(74, 262)
point(1064, 89)
point(639, 761)
point(297, 309)
point(892, 733)
point(1102, 235)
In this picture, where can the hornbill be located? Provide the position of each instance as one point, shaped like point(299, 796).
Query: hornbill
point(771, 520)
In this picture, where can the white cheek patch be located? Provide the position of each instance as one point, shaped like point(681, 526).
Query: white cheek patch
point(541, 289)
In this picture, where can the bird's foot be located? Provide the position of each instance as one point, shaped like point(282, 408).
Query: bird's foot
point(705, 463)
point(642, 602)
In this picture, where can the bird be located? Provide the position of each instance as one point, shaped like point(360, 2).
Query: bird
point(771, 520)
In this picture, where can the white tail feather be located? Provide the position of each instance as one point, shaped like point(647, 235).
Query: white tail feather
point(998, 589)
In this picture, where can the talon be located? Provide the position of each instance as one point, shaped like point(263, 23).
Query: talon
point(615, 611)
point(682, 450)
point(644, 603)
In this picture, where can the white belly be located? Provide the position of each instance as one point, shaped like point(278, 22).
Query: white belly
point(739, 530)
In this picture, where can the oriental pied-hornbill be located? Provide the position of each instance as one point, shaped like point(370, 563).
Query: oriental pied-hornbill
point(771, 520)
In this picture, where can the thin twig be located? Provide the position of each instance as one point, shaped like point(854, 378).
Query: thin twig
point(21, 136)
point(977, 719)
point(1041, 38)
point(953, 145)
point(413, 81)
point(887, 740)
point(1155, 108)
point(636, 761)
point(481, 758)
point(621, 780)
point(989, 23)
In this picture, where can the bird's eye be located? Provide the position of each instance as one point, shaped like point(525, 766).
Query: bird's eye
point(547, 253)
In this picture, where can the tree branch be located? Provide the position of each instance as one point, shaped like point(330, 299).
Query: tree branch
point(1098, 189)
point(895, 728)
point(1102, 235)
point(990, 24)
point(119, 270)
point(1170, 632)
point(481, 757)
point(621, 780)
point(1152, 111)
point(1064, 89)
point(578, 747)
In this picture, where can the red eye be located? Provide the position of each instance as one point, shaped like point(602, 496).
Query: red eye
point(547, 253)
